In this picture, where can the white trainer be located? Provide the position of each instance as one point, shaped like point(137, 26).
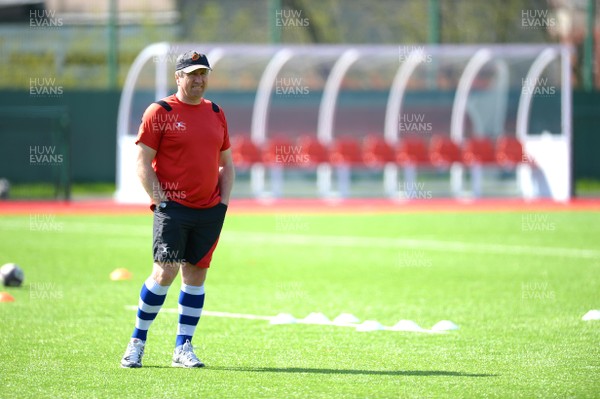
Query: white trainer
point(133, 354)
point(184, 356)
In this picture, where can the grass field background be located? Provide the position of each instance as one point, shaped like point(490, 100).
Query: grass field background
point(516, 283)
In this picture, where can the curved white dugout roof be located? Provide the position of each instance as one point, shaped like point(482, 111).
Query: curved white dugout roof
point(513, 66)
point(406, 59)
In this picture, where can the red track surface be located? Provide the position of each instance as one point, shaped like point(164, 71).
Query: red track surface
point(352, 206)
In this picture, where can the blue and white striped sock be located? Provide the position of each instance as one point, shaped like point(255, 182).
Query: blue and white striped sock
point(191, 301)
point(151, 300)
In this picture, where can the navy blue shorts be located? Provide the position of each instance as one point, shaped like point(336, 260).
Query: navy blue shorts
point(183, 234)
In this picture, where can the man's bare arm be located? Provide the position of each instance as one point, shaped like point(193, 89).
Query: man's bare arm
point(226, 175)
point(147, 175)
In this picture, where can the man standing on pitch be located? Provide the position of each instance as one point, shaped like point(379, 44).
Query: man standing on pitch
point(184, 163)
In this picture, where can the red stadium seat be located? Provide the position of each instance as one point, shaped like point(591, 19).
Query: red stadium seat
point(344, 155)
point(244, 152)
point(509, 151)
point(443, 152)
point(376, 152)
point(279, 150)
point(316, 157)
point(478, 151)
point(313, 151)
point(345, 151)
point(412, 151)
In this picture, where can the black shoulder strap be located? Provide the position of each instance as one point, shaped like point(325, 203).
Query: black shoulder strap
point(165, 105)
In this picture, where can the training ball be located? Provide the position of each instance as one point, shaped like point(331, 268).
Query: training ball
point(12, 275)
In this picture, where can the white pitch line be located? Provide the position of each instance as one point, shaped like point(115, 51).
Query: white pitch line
point(269, 318)
point(397, 243)
point(215, 314)
point(236, 315)
point(252, 238)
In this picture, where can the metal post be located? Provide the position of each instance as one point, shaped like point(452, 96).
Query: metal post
point(113, 49)
point(434, 39)
point(588, 48)
point(434, 22)
point(274, 29)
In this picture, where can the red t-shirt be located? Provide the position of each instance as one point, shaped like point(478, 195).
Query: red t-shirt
point(188, 141)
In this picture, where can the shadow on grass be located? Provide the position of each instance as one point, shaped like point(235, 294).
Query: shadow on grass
point(422, 373)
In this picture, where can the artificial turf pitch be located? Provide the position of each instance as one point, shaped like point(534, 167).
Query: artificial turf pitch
point(516, 283)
